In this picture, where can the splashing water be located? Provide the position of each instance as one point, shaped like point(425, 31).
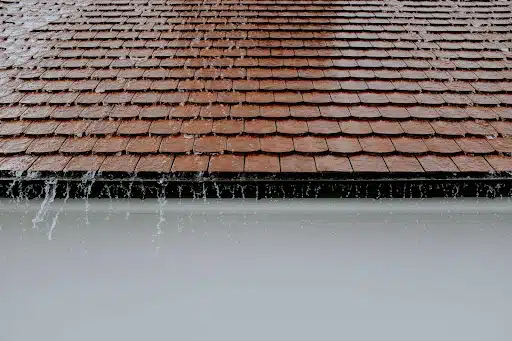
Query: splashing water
point(56, 216)
point(87, 182)
point(50, 190)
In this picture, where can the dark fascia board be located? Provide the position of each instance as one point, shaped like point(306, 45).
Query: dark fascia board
point(260, 186)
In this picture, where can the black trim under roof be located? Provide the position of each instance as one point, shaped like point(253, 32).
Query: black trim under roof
point(260, 186)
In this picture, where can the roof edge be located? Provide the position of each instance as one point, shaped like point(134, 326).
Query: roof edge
point(259, 186)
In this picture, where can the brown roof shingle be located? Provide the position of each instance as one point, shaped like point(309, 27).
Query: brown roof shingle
point(261, 86)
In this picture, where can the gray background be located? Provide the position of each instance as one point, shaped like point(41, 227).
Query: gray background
point(272, 270)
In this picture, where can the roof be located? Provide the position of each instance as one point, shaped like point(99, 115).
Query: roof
point(258, 87)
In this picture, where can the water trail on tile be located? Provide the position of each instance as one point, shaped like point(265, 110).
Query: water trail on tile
point(23, 45)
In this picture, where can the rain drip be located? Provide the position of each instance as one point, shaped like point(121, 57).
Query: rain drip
point(87, 182)
point(50, 190)
point(56, 216)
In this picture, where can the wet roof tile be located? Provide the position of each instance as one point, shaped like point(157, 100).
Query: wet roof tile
point(270, 87)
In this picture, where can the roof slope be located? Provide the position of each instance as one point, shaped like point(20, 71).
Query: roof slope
point(259, 86)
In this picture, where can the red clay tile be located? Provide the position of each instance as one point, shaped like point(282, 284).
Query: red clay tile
point(50, 163)
point(345, 98)
point(331, 163)
point(196, 127)
point(481, 113)
point(41, 128)
point(14, 145)
point(84, 163)
point(409, 145)
point(275, 111)
point(76, 128)
point(67, 112)
point(323, 126)
point(386, 127)
point(246, 85)
point(474, 145)
point(227, 127)
point(15, 112)
point(210, 144)
point(394, 112)
point(243, 144)
point(165, 127)
point(90, 98)
point(341, 144)
point(297, 164)
point(35, 98)
point(78, 145)
point(503, 112)
point(504, 128)
point(403, 164)
point(143, 144)
point(429, 99)
point(154, 163)
point(44, 145)
point(287, 97)
point(108, 144)
point(375, 144)
point(163, 85)
point(261, 163)
point(364, 112)
point(118, 98)
point(437, 164)
point(452, 112)
point(373, 98)
point(17, 163)
point(304, 111)
point(259, 126)
point(222, 97)
point(316, 97)
point(442, 145)
point(259, 97)
point(423, 112)
point(102, 127)
point(185, 111)
point(215, 111)
point(226, 164)
point(334, 111)
point(479, 128)
point(133, 127)
point(94, 112)
point(219, 85)
point(174, 97)
point(119, 163)
point(296, 85)
point(368, 163)
point(11, 98)
point(176, 144)
point(500, 163)
point(155, 111)
point(448, 128)
point(245, 111)
point(291, 127)
point(137, 85)
point(190, 163)
point(353, 127)
point(13, 127)
point(472, 164)
point(276, 144)
point(310, 144)
point(416, 127)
